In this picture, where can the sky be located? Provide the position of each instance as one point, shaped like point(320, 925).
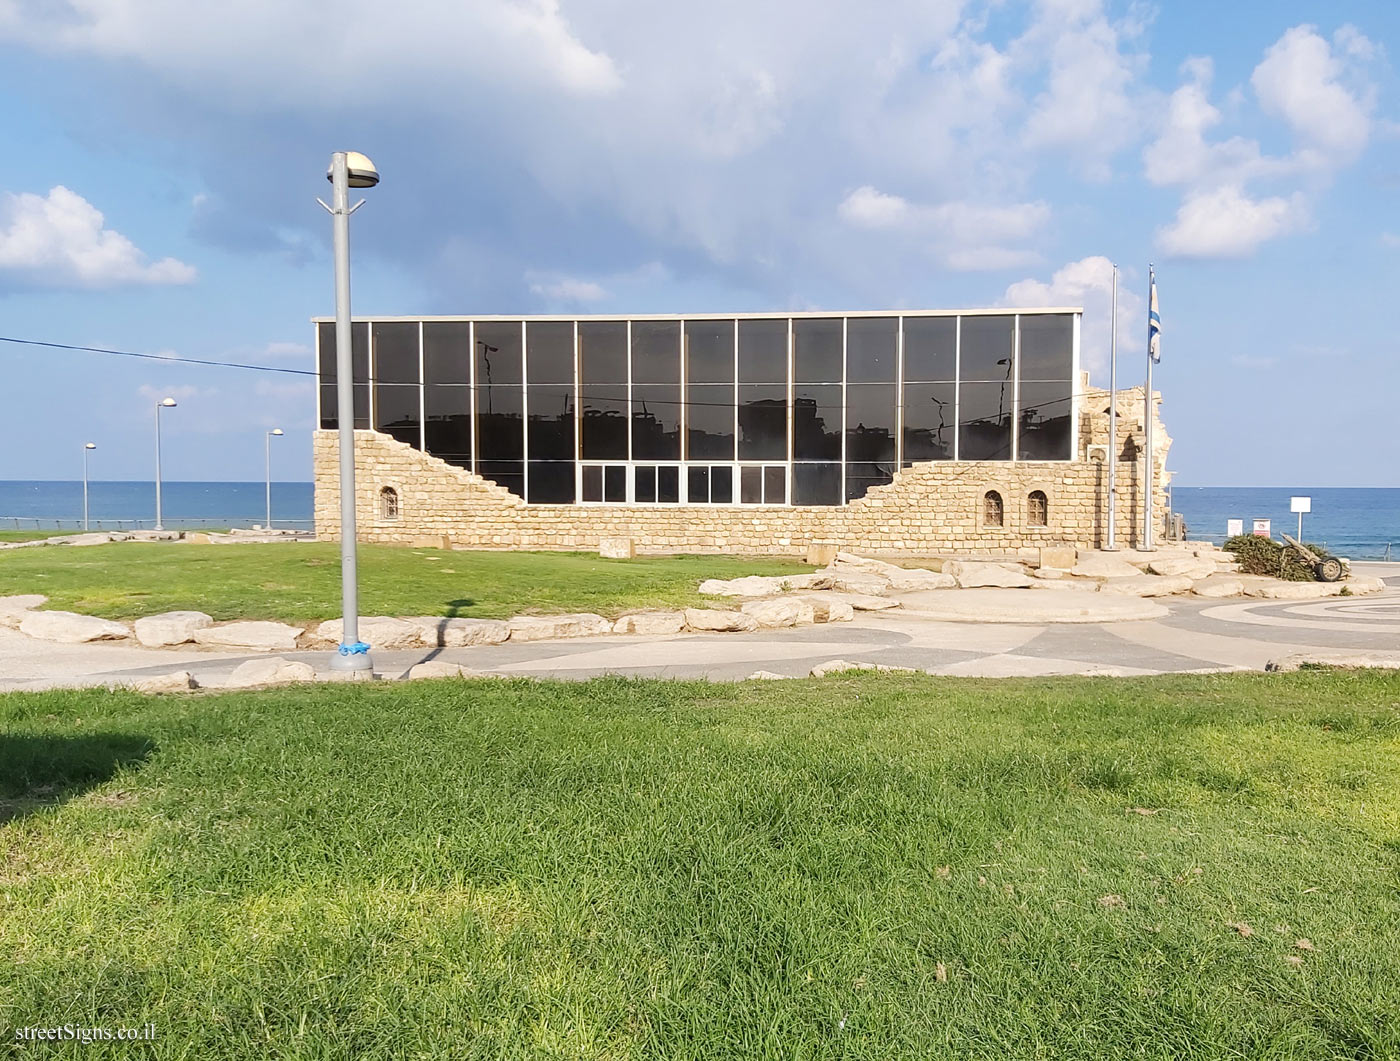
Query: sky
point(162, 161)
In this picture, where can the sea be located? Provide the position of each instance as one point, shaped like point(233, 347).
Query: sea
point(1358, 523)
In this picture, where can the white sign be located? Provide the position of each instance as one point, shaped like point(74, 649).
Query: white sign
point(1300, 504)
point(1234, 528)
point(1261, 528)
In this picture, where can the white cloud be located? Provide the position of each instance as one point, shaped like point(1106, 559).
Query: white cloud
point(1227, 223)
point(1302, 80)
point(567, 289)
point(868, 207)
point(59, 240)
point(1087, 283)
point(293, 391)
point(285, 349)
point(181, 392)
point(965, 236)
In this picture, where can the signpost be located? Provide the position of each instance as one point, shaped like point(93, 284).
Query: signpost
point(1300, 505)
point(1262, 529)
point(1234, 528)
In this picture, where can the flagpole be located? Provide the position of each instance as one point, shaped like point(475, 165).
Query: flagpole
point(1147, 426)
point(1110, 543)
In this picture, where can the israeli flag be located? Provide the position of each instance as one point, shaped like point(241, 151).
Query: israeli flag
point(1154, 323)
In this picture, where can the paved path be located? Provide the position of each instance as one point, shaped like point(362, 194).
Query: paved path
point(1192, 635)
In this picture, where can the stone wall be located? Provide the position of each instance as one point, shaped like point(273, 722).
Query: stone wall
point(933, 507)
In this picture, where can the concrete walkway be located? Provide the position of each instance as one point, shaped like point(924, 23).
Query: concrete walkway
point(1174, 634)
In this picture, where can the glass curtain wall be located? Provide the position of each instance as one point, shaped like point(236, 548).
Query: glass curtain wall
point(713, 411)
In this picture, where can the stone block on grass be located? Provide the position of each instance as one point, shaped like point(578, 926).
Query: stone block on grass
point(14, 609)
point(652, 623)
point(458, 632)
point(258, 634)
point(71, 628)
point(170, 628)
point(551, 627)
point(718, 619)
point(782, 611)
point(273, 671)
point(377, 631)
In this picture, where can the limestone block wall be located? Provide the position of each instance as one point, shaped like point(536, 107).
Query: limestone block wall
point(933, 507)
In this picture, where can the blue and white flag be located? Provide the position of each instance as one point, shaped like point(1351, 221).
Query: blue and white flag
point(1154, 322)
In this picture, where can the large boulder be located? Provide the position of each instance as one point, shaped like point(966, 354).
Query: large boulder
point(273, 671)
point(718, 619)
point(814, 580)
point(864, 602)
point(748, 586)
point(170, 628)
point(1061, 557)
point(788, 611)
point(972, 574)
point(1298, 660)
point(377, 631)
point(14, 609)
point(262, 635)
point(440, 668)
point(1218, 586)
point(650, 623)
point(871, 585)
point(829, 608)
point(1103, 565)
point(916, 579)
point(1193, 567)
point(841, 666)
point(180, 681)
point(617, 548)
point(71, 628)
point(442, 632)
point(1300, 590)
point(550, 627)
point(1146, 585)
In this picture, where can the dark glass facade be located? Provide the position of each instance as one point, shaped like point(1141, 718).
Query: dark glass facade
point(758, 410)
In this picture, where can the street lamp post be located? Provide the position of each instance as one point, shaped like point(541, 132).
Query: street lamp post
point(349, 169)
point(88, 447)
point(164, 403)
point(267, 463)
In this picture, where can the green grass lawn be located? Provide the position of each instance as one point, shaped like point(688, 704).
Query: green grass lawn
point(29, 535)
point(861, 867)
point(301, 582)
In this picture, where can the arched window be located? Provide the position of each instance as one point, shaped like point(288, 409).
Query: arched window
point(993, 512)
point(1038, 509)
point(388, 503)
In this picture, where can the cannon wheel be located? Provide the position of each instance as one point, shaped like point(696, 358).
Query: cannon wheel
point(1328, 570)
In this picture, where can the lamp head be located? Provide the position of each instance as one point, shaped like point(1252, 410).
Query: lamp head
point(359, 171)
point(276, 431)
point(169, 403)
point(90, 445)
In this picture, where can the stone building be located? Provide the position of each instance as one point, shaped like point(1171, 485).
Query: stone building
point(967, 432)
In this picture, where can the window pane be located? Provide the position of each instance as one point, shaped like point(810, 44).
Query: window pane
point(816, 423)
point(697, 484)
point(861, 477)
point(551, 423)
point(751, 486)
point(359, 373)
point(449, 427)
point(551, 483)
point(870, 419)
point(816, 350)
point(709, 424)
point(328, 407)
point(872, 349)
point(1047, 346)
point(656, 351)
point(984, 422)
point(721, 484)
point(816, 484)
point(987, 348)
point(763, 425)
point(929, 422)
point(763, 351)
point(656, 422)
point(775, 485)
point(549, 351)
point(397, 413)
point(615, 483)
point(602, 351)
point(709, 351)
point(497, 353)
point(930, 348)
point(396, 352)
point(668, 485)
point(447, 352)
point(604, 421)
point(1046, 409)
point(644, 483)
point(510, 474)
point(500, 423)
point(592, 483)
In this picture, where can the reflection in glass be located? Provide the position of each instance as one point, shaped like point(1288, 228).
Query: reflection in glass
point(872, 349)
point(397, 413)
point(604, 427)
point(751, 486)
point(657, 485)
point(497, 353)
point(929, 421)
point(721, 484)
point(615, 483)
point(816, 422)
point(1046, 411)
point(930, 349)
point(551, 423)
point(447, 352)
point(656, 422)
point(449, 426)
point(987, 347)
point(359, 369)
point(709, 422)
point(549, 351)
point(816, 349)
point(500, 433)
point(510, 474)
point(763, 351)
point(396, 352)
point(762, 422)
point(1047, 346)
point(656, 351)
point(870, 421)
point(984, 422)
point(816, 484)
point(709, 351)
point(551, 483)
point(775, 484)
point(860, 477)
point(602, 351)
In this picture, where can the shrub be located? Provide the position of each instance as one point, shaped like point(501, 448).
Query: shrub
point(1264, 556)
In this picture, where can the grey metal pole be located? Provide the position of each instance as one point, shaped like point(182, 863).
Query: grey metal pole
point(158, 526)
point(267, 468)
point(1147, 435)
point(86, 448)
point(352, 654)
point(1111, 543)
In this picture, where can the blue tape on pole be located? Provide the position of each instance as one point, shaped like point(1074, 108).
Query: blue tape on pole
point(359, 648)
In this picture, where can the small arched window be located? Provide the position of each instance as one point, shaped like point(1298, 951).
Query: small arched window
point(993, 512)
point(1038, 509)
point(388, 503)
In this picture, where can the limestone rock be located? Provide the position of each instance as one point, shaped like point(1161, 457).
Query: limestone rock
point(748, 586)
point(617, 548)
point(819, 554)
point(93, 538)
point(1049, 573)
point(650, 623)
point(1218, 586)
point(768, 676)
point(789, 611)
point(718, 619)
point(170, 628)
point(841, 666)
point(915, 579)
point(273, 671)
point(1146, 585)
point(815, 580)
point(262, 635)
point(14, 609)
point(971, 574)
point(457, 632)
point(829, 608)
point(180, 681)
point(550, 627)
point(865, 602)
point(1298, 660)
point(1103, 565)
point(71, 628)
point(1296, 590)
point(1057, 556)
point(440, 668)
point(1362, 586)
point(1193, 567)
point(377, 631)
point(869, 585)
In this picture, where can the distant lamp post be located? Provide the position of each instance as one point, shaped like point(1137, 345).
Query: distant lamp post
point(88, 447)
point(267, 461)
point(349, 169)
point(164, 403)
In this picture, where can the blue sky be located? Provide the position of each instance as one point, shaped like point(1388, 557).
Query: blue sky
point(162, 160)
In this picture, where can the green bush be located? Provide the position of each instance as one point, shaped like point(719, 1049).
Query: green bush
point(1264, 556)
